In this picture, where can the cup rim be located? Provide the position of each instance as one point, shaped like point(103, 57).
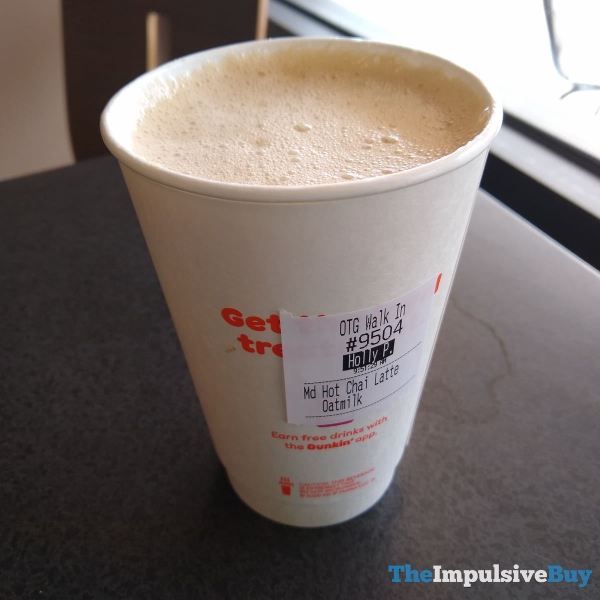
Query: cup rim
point(293, 193)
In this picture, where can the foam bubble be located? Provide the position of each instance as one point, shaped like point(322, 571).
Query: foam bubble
point(302, 127)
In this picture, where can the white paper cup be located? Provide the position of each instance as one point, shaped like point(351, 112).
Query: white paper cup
point(260, 249)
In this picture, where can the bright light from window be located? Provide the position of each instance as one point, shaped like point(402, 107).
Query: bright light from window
point(507, 42)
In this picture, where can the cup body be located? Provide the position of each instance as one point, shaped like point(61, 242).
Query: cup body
point(231, 257)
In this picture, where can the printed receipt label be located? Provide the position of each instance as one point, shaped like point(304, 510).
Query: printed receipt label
point(339, 367)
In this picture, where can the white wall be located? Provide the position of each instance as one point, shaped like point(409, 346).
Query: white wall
point(34, 134)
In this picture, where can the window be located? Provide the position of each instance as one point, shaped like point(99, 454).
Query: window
point(505, 41)
point(544, 164)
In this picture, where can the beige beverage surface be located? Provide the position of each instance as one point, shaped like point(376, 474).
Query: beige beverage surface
point(307, 116)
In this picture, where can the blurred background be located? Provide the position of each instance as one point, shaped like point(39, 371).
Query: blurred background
point(60, 61)
point(34, 130)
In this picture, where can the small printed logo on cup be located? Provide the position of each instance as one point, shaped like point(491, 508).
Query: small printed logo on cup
point(285, 485)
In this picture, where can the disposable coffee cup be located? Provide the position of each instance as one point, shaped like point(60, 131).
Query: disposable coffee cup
point(307, 314)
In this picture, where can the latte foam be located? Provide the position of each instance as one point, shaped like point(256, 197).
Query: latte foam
point(302, 116)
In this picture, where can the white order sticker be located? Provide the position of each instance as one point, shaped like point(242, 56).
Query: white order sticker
point(337, 367)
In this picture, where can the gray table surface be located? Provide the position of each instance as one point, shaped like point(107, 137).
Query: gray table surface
point(109, 487)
